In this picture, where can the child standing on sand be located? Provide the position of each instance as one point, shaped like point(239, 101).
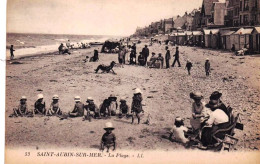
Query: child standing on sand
point(188, 66)
point(137, 108)
point(108, 139)
point(12, 52)
point(207, 67)
point(54, 107)
point(22, 109)
point(39, 105)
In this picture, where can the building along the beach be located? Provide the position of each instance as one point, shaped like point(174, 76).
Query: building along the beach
point(243, 38)
point(206, 15)
point(249, 14)
point(232, 18)
point(218, 13)
point(168, 25)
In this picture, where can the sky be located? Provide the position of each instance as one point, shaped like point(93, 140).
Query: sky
point(91, 17)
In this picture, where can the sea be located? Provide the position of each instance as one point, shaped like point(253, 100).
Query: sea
point(32, 44)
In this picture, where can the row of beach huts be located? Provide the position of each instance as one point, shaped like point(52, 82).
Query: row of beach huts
point(224, 38)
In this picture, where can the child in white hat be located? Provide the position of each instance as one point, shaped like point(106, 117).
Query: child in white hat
point(178, 131)
point(39, 105)
point(78, 110)
point(54, 107)
point(91, 110)
point(137, 108)
point(108, 139)
point(22, 108)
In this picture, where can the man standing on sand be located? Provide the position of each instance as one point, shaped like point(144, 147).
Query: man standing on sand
point(167, 57)
point(12, 52)
point(145, 52)
point(176, 57)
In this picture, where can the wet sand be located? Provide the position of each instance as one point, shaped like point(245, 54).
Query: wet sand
point(165, 93)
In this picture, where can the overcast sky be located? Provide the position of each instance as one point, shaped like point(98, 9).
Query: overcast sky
point(97, 17)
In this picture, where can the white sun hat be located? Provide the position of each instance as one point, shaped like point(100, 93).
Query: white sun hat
point(23, 98)
point(137, 90)
point(39, 96)
point(76, 98)
point(90, 99)
point(109, 125)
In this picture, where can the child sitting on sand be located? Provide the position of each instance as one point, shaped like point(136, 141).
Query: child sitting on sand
point(124, 108)
point(113, 105)
point(54, 107)
point(78, 110)
point(178, 131)
point(108, 139)
point(91, 110)
point(39, 105)
point(137, 108)
point(22, 109)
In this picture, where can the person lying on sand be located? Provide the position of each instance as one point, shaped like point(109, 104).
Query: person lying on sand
point(105, 68)
point(22, 108)
point(54, 107)
point(108, 139)
point(91, 110)
point(78, 110)
point(39, 105)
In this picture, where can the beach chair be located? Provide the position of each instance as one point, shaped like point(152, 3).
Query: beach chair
point(224, 137)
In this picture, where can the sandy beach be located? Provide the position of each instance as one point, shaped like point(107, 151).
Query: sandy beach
point(165, 93)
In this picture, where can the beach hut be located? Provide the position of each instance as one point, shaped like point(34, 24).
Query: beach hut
point(197, 37)
point(225, 39)
point(207, 38)
point(243, 38)
point(256, 39)
point(181, 38)
point(215, 38)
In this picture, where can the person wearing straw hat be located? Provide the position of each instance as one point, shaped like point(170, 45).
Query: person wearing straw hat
point(108, 139)
point(22, 108)
point(207, 67)
point(54, 107)
point(178, 131)
point(123, 108)
point(199, 112)
point(188, 66)
point(112, 105)
point(91, 110)
point(39, 105)
point(136, 107)
point(78, 110)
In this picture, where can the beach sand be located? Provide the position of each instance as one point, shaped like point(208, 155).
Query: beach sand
point(165, 94)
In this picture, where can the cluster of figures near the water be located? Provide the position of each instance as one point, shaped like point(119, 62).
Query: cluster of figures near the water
point(212, 124)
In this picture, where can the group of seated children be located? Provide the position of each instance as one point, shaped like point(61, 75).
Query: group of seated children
point(108, 108)
point(156, 61)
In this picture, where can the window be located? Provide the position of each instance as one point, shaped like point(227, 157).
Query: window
point(245, 20)
point(240, 5)
point(236, 11)
point(246, 5)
